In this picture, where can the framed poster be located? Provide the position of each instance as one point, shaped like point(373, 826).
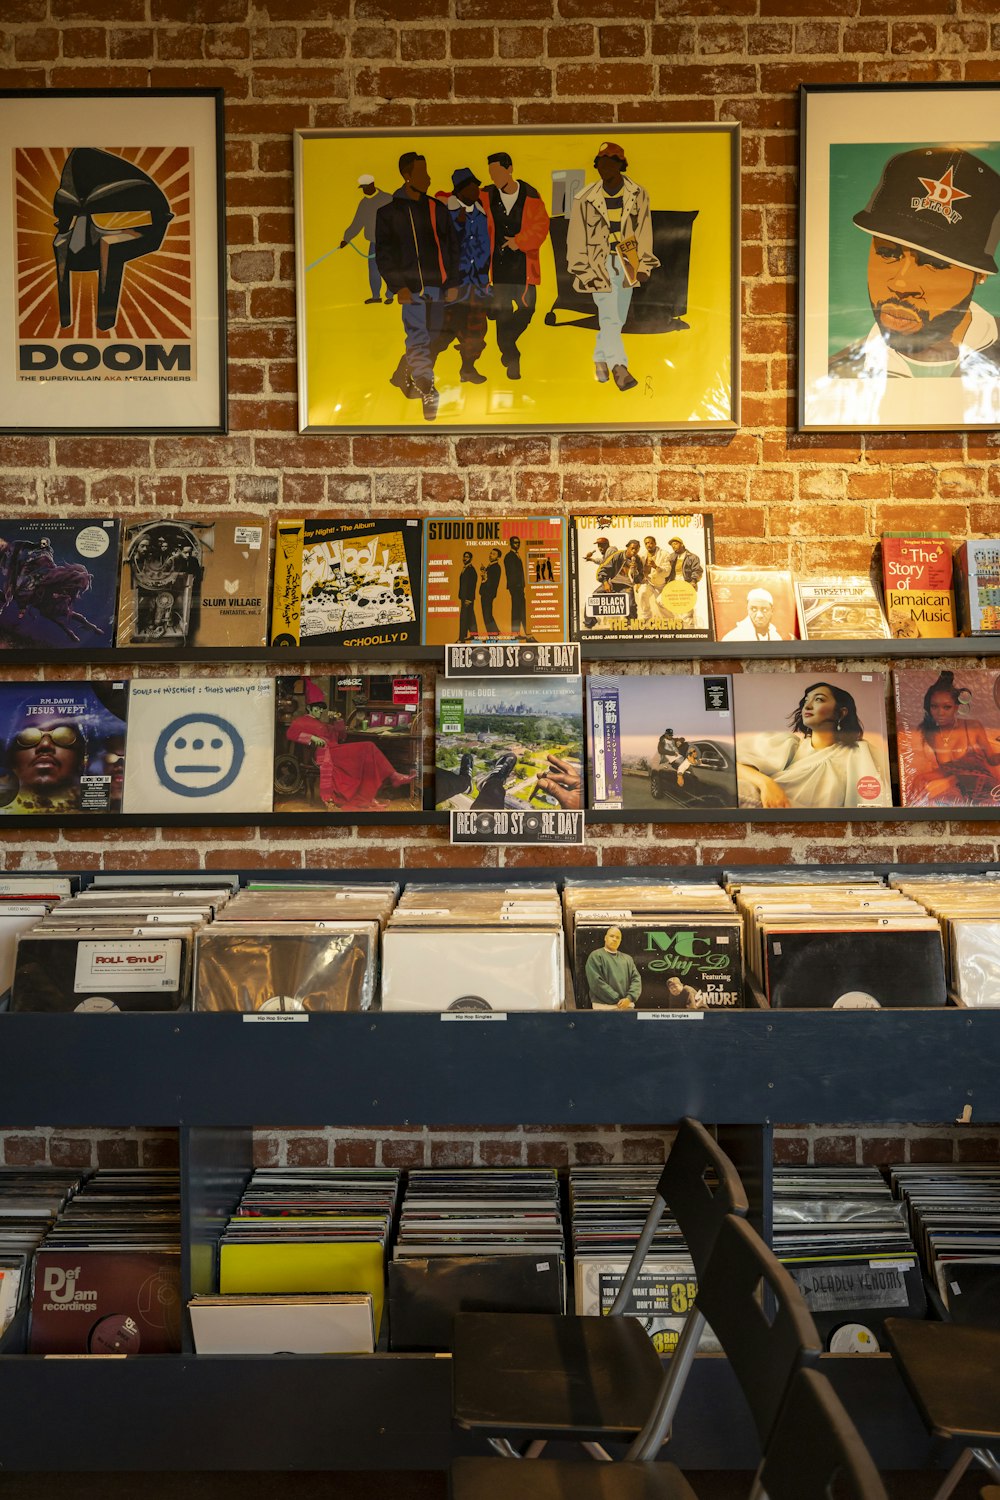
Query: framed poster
point(509, 279)
point(899, 294)
point(112, 261)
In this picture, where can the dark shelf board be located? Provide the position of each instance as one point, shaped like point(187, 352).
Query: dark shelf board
point(796, 815)
point(287, 656)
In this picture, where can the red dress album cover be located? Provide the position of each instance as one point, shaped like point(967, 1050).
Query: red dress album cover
point(948, 737)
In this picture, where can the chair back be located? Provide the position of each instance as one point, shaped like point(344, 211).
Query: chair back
point(760, 1318)
point(816, 1452)
point(700, 1186)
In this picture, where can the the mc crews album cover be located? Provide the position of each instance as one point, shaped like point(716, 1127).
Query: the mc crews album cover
point(752, 604)
point(948, 737)
point(807, 739)
point(494, 580)
point(62, 747)
point(58, 583)
point(514, 742)
point(200, 747)
point(346, 583)
point(661, 740)
point(641, 577)
point(201, 581)
point(349, 743)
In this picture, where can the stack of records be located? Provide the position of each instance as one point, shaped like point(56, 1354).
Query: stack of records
point(966, 908)
point(114, 949)
point(318, 1230)
point(955, 1219)
point(608, 1207)
point(483, 1238)
point(30, 1200)
point(23, 903)
point(301, 901)
point(822, 946)
point(845, 1240)
point(474, 949)
point(654, 947)
point(106, 1279)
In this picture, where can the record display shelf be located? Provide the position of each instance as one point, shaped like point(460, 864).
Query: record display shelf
point(215, 1077)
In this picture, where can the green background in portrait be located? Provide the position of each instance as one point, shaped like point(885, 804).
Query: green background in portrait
point(854, 173)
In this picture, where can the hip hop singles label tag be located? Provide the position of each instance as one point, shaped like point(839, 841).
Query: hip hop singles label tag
point(507, 826)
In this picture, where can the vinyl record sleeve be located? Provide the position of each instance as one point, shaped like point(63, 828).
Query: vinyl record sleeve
point(808, 970)
point(58, 583)
point(662, 1298)
point(496, 737)
point(346, 583)
point(656, 590)
point(306, 1266)
point(977, 586)
point(661, 740)
point(200, 581)
point(752, 604)
point(948, 737)
point(287, 969)
point(975, 961)
point(425, 1294)
point(839, 607)
point(62, 747)
point(200, 747)
point(472, 970)
point(348, 743)
point(774, 727)
point(102, 972)
point(860, 1288)
point(494, 580)
point(339, 1324)
point(110, 1301)
point(917, 574)
point(660, 963)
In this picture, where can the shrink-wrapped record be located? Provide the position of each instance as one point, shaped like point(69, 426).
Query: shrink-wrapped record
point(849, 969)
point(320, 967)
point(472, 969)
point(109, 971)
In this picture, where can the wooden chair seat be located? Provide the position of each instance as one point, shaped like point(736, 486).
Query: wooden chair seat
point(952, 1372)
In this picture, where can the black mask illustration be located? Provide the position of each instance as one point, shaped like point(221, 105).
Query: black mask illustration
point(95, 183)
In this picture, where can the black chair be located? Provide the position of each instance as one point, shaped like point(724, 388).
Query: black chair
point(952, 1371)
point(545, 1376)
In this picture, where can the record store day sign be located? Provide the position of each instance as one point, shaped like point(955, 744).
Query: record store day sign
point(112, 261)
point(510, 279)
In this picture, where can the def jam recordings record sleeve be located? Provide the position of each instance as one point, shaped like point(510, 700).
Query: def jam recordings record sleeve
point(200, 747)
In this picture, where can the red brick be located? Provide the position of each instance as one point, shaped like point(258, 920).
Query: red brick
point(115, 1152)
point(159, 1150)
point(717, 38)
point(932, 1148)
point(274, 42)
point(790, 1151)
point(638, 10)
point(216, 11)
point(724, 78)
point(909, 38)
point(622, 41)
point(24, 1150)
point(407, 83)
point(323, 41)
point(472, 42)
point(614, 80)
point(502, 83)
point(835, 1150)
point(515, 10)
point(354, 1154)
point(403, 1153)
point(308, 1151)
point(84, 41)
point(439, 490)
point(867, 36)
point(882, 1150)
point(94, 10)
point(423, 45)
point(39, 45)
point(567, 41)
point(95, 78)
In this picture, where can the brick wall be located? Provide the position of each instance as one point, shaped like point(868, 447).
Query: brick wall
point(788, 499)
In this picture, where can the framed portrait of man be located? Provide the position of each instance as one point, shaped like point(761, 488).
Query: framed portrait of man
point(490, 280)
point(899, 291)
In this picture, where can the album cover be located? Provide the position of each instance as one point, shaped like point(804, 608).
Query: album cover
point(977, 586)
point(195, 582)
point(660, 739)
point(329, 966)
point(105, 1301)
point(494, 580)
point(472, 969)
point(917, 574)
point(348, 744)
point(62, 747)
point(509, 742)
point(659, 963)
point(752, 604)
point(200, 746)
point(346, 583)
point(804, 740)
point(854, 969)
point(948, 737)
point(112, 970)
point(58, 583)
point(641, 577)
point(426, 1293)
point(839, 607)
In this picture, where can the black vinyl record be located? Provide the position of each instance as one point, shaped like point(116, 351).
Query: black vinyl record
point(96, 972)
point(855, 970)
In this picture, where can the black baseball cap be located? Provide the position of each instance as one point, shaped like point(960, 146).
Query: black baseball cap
point(942, 200)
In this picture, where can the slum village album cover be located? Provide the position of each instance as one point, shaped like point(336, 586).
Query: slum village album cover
point(346, 583)
point(197, 582)
point(641, 577)
point(494, 580)
point(62, 746)
point(507, 279)
point(752, 604)
point(917, 577)
point(116, 321)
point(512, 742)
point(803, 740)
point(948, 737)
point(899, 292)
point(658, 963)
point(58, 583)
point(348, 744)
point(200, 747)
point(661, 740)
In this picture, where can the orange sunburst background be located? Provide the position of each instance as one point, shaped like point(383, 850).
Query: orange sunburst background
point(157, 297)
